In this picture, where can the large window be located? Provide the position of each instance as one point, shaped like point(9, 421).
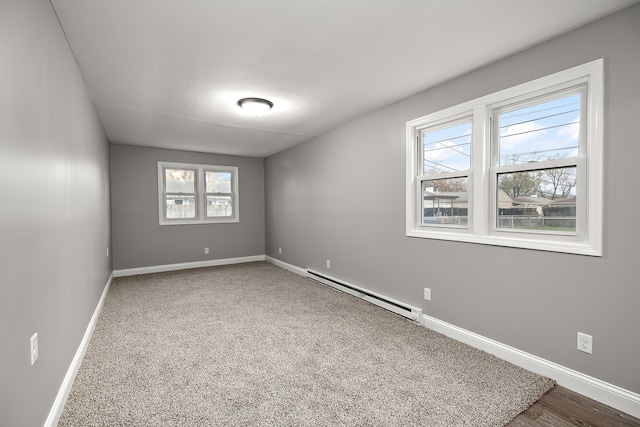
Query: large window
point(194, 194)
point(521, 167)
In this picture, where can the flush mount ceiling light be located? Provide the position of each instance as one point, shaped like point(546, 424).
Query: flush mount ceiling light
point(255, 106)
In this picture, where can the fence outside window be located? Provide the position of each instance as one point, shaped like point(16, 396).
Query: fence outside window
point(189, 211)
point(529, 222)
point(522, 222)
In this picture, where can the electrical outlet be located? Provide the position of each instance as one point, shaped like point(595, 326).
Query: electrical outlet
point(427, 294)
point(280, 251)
point(206, 251)
point(34, 348)
point(107, 252)
point(328, 264)
point(585, 343)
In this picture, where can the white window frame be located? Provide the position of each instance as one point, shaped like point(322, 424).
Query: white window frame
point(483, 174)
point(454, 120)
point(201, 194)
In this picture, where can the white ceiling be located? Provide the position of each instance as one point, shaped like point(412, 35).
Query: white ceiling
point(168, 73)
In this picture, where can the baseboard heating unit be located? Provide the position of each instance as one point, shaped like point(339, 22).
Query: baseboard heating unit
point(392, 305)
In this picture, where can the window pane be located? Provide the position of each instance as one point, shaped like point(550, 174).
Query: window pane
point(218, 182)
point(219, 206)
point(445, 202)
point(543, 131)
point(538, 200)
point(180, 181)
point(180, 207)
point(447, 150)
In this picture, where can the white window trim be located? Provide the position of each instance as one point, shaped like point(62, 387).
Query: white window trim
point(482, 196)
point(201, 195)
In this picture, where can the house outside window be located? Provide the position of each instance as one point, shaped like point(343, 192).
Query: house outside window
point(196, 194)
point(521, 167)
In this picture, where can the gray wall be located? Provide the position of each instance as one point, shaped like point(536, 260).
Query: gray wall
point(341, 197)
point(138, 240)
point(54, 220)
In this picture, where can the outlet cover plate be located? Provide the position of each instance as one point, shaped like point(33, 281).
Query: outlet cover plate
point(585, 343)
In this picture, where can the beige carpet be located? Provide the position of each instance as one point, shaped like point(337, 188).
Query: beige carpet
point(256, 345)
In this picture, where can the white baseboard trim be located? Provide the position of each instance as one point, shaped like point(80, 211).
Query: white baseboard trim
point(286, 266)
point(67, 382)
point(609, 394)
point(186, 265)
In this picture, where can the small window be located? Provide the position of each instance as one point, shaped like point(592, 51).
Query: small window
point(444, 182)
point(195, 194)
point(180, 194)
point(219, 194)
point(521, 167)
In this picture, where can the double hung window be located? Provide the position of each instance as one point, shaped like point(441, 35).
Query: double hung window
point(194, 194)
point(445, 149)
point(521, 167)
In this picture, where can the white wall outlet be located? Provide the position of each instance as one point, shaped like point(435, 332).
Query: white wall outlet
point(206, 251)
point(280, 251)
point(427, 294)
point(107, 252)
point(585, 343)
point(328, 263)
point(34, 348)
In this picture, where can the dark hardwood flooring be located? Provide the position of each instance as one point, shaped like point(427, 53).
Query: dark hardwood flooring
point(562, 407)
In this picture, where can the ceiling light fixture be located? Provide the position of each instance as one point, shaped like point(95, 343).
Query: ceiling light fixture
point(255, 106)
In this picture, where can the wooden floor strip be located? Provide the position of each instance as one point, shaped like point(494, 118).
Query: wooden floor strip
point(561, 407)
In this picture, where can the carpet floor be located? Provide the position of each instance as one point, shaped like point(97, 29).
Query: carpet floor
point(255, 345)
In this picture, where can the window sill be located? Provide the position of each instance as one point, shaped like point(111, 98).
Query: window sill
point(195, 221)
point(542, 244)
